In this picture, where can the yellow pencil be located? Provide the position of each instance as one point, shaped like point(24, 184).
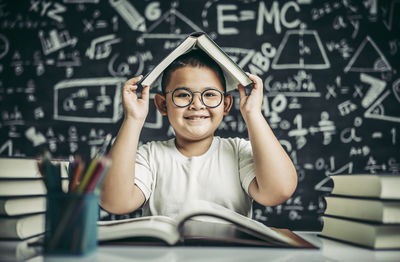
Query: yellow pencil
point(88, 174)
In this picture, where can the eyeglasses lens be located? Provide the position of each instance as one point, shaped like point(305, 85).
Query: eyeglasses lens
point(210, 97)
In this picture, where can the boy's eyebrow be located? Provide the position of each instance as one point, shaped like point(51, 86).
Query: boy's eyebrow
point(202, 89)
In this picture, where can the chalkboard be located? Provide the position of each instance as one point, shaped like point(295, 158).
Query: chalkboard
point(330, 72)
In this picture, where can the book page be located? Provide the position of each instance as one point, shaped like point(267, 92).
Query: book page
point(184, 47)
point(160, 227)
point(234, 75)
point(205, 208)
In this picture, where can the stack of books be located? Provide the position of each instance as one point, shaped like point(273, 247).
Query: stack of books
point(22, 206)
point(364, 210)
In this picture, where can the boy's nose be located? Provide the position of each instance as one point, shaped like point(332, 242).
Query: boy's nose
point(197, 103)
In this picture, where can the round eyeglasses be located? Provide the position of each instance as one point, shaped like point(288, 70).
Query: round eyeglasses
point(182, 97)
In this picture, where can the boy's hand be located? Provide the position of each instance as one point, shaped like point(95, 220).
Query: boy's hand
point(250, 105)
point(135, 107)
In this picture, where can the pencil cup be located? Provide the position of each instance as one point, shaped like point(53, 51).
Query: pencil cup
point(71, 223)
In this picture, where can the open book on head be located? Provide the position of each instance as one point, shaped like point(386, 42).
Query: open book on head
point(199, 223)
point(233, 74)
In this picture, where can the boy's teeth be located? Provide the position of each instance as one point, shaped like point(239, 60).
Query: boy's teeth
point(195, 117)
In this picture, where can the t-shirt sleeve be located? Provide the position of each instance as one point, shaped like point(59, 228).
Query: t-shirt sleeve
point(246, 164)
point(143, 174)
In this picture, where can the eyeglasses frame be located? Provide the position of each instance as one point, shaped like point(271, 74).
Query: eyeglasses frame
point(194, 92)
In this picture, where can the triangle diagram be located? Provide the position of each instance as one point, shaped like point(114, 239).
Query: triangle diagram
point(368, 58)
point(378, 111)
point(172, 25)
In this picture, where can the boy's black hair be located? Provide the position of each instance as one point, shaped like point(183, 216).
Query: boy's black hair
point(194, 58)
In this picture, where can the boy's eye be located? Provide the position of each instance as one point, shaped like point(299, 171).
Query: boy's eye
point(182, 94)
point(210, 94)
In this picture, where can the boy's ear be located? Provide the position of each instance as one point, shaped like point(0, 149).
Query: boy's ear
point(160, 102)
point(228, 101)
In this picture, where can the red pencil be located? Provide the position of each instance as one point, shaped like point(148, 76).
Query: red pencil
point(77, 176)
point(95, 177)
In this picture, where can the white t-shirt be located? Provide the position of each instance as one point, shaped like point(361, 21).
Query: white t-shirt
point(221, 175)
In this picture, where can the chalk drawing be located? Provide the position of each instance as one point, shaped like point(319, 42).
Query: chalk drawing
point(4, 46)
point(65, 106)
point(7, 147)
point(311, 53)
point(174, 18)
point(35, 136)
point(56, 41)
point(346, 169)
point(276, 16)
point(377, 110)
point(326, 126)
point(394, 9)
point(396, 89)
point(346, 107)
point(373, 166)
point(376, 87)
point(299, 133)
point(153, 11)
point(52, 10)
point(298, 85)
point(394, 166)
point(349, 135)
point(129, 13)
point(100, 47)
point(321, 185)
point(132, 65)
point(341, 46)
point(368, 58)
point(232, 17)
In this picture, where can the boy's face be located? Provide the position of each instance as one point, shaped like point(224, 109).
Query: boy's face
point(196, 121)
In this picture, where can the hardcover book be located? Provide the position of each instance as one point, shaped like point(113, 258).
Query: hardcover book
point(21, 227)
point(26, 187)
point(368, 185)
point(375, 210)
point(14, 206)
point(371, 235)
point(26, 168)
point(233, 74)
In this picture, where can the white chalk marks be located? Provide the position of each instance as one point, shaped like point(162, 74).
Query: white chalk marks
point(368, 58)
point(179, 26)
point(129, 13)
point(301, 49)
point(89, 100)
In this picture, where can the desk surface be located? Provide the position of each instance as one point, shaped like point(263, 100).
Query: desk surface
point(330, 250)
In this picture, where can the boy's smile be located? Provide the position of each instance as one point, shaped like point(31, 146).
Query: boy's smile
point(196, 117)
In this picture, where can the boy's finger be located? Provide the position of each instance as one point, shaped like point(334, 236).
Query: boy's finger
point(132, 88)
point(242, 92)
point(133, 80)
point(146, 93)
point(257, 80)
point(258, 85)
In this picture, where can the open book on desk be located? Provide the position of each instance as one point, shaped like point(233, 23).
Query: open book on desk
point(204, 223)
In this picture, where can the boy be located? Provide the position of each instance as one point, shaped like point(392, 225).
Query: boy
point(231, 172)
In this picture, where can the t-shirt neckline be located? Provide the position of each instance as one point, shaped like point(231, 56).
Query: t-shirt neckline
point(185, 158)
